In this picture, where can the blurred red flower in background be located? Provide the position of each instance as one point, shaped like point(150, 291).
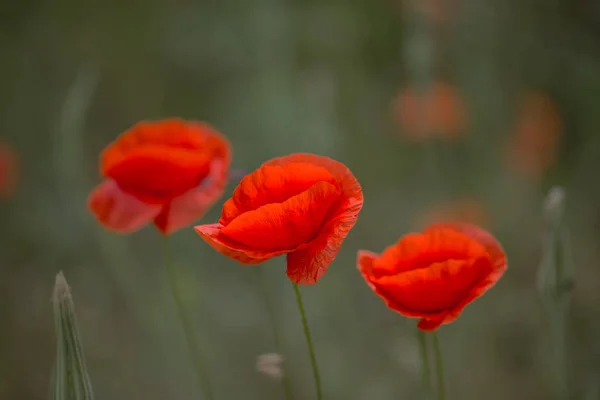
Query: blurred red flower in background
point(436, 111)
point(434, 275)
point(436, 11)
point(8, 171)
point(533, 147)
point(465, 210)
point(302, 205)
point(169, 172)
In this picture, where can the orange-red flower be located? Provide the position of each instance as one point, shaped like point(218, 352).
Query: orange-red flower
point(533, 148)
point(464, 210)
point(436, 111)
point(434, 275)
point(168, 171)
point(8, 171)
point(301, 205)
point(438, 12)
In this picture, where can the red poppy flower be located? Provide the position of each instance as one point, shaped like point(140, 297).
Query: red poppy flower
point(8, 171)
point(436, 111)
point(464, 210)
point(434, 275)
point(533, 147)
point(438, 12)
point(301, 205)
point(170, 172)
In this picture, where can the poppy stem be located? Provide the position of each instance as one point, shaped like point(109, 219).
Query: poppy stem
point(311, 348)
point(439, 366)
point(289, 395)
point(426, 370)
point(187, 325)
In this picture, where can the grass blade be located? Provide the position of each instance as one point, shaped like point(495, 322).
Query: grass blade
point(71, 379)
point(555, 284)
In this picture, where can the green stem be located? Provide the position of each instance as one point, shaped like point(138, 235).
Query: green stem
point(289, 395)
point(311, 348)
point(439, 366)
point(188, 327)
point(559, 311)
point(426, 371)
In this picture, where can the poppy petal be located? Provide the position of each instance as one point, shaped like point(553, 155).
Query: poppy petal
point(287, 225)
point(157, 161)
point(173, 133)
point(419, 250)
point(272, 184)
point(365, 261)
point(498, 263)
point(211, 233)
point(155, 174)
point(119, 211)
point(307, 265)
point(429, 325)
point(477, 291)
point(441, 286)
point(300, 172)
point(339, 171)
point(190, 206)
point(365, 264)
point(484, 238)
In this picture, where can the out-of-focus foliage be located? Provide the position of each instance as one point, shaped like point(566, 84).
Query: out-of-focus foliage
point(289, 76)
point(70, 379)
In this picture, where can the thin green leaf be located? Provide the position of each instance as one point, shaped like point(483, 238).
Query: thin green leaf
point(71, 379)
point(555, 283)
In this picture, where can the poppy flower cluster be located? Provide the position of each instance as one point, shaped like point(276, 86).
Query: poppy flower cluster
point(301, 206)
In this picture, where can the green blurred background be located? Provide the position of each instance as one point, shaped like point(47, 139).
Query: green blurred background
point(282, 76)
